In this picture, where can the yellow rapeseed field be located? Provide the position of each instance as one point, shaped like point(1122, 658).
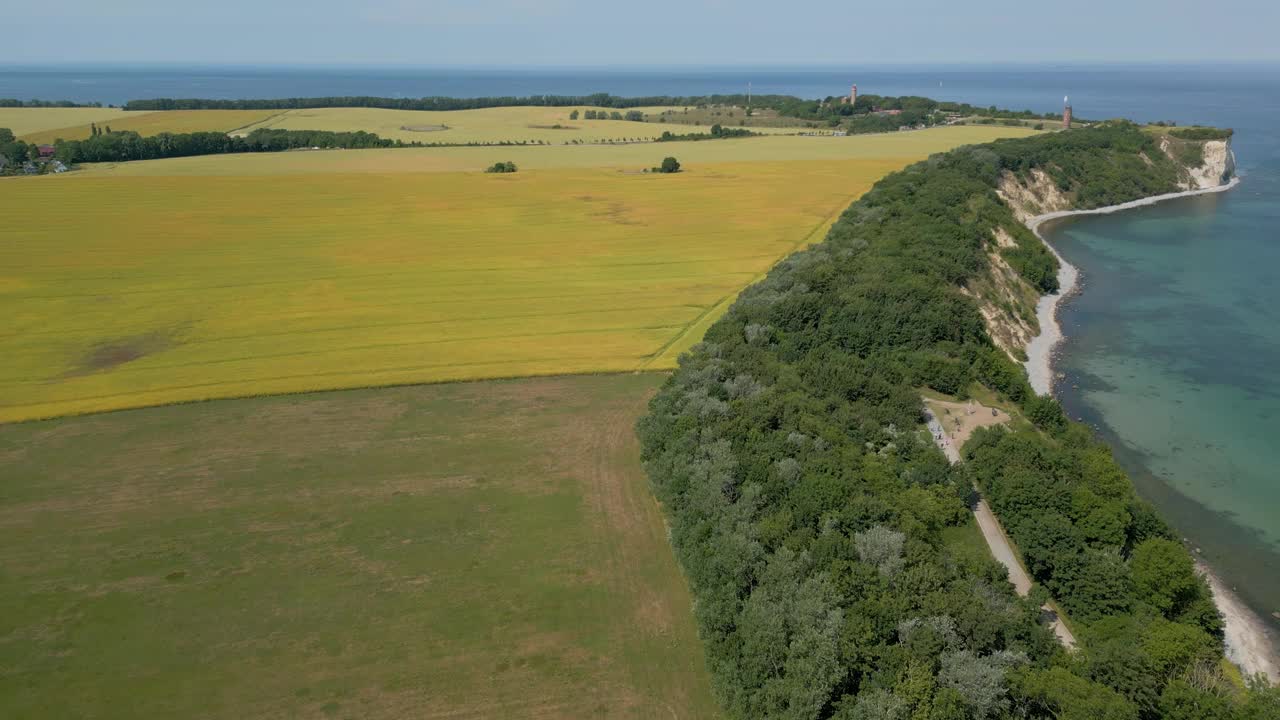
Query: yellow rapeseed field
point(887, 146)
point(26, 121)
point(147, 290)
point(154, 123)
point(492, 125)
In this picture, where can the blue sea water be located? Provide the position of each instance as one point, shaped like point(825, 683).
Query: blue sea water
point(1173, 348)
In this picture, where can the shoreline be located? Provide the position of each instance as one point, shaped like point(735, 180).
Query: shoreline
point(1039, 363)
point(1247, 639)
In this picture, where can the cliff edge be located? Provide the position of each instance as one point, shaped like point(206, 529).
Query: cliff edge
point(1165, 165)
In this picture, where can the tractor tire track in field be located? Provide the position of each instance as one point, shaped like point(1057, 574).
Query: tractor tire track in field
point(725, 301)
point(619, 497)
point(126, 369)
point(464, 271)
point(238, 382)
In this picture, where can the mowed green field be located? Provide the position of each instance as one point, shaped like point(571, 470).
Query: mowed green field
point(151, 290)
point(486, 125)
point(150, 123)
point(775, 148)
point(474, 550)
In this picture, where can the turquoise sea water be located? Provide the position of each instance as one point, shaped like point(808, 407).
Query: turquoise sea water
point(1173, 351)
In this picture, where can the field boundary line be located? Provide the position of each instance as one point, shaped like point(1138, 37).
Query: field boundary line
point(127, 369)
point(317, 390)
point(266, 119)
point(801, 243)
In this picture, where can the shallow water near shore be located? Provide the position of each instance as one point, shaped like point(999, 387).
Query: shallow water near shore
point(1173, 353)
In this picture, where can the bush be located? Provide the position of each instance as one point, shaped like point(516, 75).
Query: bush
point(1202, 133)
point(669, 165)
point(501, 167)
point(1045, 413)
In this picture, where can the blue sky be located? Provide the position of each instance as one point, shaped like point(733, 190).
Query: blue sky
point(647, 32)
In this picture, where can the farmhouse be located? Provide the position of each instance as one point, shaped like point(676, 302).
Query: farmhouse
point(46, 151)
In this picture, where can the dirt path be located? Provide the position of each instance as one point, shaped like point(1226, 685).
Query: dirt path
point(992, 532)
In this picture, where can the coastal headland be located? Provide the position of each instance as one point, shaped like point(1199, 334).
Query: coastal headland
point(340, 527)
point(799, 413)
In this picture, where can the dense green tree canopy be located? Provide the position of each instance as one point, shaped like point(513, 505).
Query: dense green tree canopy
point(812, 515)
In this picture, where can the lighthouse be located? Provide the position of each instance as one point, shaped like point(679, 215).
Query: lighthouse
point(853, 95)
point(1066, 112)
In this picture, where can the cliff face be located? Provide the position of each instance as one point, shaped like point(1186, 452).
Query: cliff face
point(1005, 298)
point(1217, 166)
point(1033, 195)
point(1006, 301)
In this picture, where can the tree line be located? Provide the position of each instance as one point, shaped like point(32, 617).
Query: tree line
point(14, 151)
point(122, 146)
point(15, 103)
point(604, 100)
point(914, 109)
point(812, 516)
point(718, 132)
point(632, 115)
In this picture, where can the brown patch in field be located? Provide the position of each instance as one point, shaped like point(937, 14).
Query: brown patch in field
point(114, 353)
point(614, 211)
point(127, 585)
point(654, 615)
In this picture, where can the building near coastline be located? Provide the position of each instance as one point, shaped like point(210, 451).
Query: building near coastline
point(1066, 112)
point(853, 96)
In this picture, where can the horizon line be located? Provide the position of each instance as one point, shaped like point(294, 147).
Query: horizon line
point(782, 66)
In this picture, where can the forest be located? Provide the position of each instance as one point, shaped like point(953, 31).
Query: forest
point(816, 521)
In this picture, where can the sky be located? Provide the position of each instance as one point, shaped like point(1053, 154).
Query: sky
point(604, 33)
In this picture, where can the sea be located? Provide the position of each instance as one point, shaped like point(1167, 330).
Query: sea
point(1172, 348)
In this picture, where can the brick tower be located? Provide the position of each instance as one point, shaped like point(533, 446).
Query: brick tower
point(853, 95)
point(1066, 113)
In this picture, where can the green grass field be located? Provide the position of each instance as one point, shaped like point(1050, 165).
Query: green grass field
point(888, 146)
point(474, 550)
point(150, 290)
point(512, 124)
point(26, 121)
point(153, 123)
